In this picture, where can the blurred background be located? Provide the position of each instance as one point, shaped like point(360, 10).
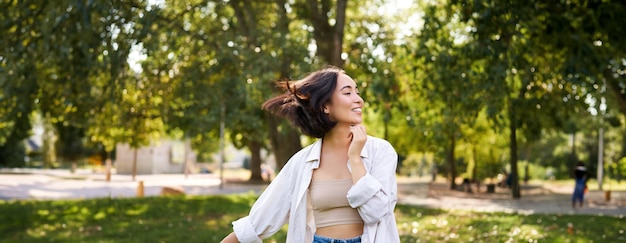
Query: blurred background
point(481, 91)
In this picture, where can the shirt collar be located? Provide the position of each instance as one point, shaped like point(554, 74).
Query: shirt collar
point(316, 151)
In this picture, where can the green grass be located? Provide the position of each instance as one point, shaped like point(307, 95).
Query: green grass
point(427, 225)
point(207, 219)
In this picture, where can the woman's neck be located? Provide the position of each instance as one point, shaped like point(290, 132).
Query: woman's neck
point(338, 137)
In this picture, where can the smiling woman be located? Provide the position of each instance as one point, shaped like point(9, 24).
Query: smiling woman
point(343, 186)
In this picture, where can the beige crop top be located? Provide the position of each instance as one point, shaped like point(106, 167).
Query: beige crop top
point(330, 205)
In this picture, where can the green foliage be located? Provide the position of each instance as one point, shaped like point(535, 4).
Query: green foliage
point(617, 170)
point(417, 164)
point(466, 79)
point(12, 155)
point(536, 172)
point(530, 86)
point(66, 62)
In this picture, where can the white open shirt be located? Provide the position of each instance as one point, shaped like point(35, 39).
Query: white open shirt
point(285, 199)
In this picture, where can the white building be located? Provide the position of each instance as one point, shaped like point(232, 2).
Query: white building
point(162, 157)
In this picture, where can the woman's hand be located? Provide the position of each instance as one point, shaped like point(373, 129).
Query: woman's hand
point(358, 137)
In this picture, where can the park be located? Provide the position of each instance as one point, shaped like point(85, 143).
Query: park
point(483, 101)
point(57, 205)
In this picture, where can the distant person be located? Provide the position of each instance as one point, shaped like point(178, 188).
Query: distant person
point(580, 176)
point(467, 185)
point(505, 179)
point(342, 188)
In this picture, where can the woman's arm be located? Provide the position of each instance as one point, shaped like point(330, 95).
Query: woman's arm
point(231, 238)
point(374, 195)
point(269, 212)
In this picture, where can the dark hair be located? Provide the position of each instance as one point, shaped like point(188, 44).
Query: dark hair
point(303, 102)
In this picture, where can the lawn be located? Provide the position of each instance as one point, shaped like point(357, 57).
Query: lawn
point(207, 219)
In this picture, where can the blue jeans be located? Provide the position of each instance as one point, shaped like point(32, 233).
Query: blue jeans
point(322, 239)
point(579, 191)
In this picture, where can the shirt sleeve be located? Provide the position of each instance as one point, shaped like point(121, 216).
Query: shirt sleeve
point(269, 213)
point(374, 195)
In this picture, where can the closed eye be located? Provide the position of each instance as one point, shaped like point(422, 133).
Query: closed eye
point(348, 90)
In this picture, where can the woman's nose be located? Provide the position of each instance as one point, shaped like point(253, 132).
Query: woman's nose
point(359, 99)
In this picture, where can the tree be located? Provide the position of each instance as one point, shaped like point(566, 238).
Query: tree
point(328, 20)
point(54, 55)
point(265, 40)
point(370, 60)
point(521, 72)
point(588, 34)
point(451, 83)
point(206, 71)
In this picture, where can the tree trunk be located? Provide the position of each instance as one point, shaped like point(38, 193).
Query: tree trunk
point(134, 163)
point(255, 161)
point(573, 158)
point(108, 164)
point(475, 169)
point(329, 38)
point(284, 138)
point(451, 163)
point(515, 189)
point(49, 148)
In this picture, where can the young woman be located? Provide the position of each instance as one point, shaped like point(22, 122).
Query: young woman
point(343, 186)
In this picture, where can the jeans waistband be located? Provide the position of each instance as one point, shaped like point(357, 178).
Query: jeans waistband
point(322, 239)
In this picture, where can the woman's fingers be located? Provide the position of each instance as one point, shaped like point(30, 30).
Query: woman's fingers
point(359, 137)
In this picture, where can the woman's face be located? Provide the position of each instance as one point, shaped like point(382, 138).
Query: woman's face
point(345, 104)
